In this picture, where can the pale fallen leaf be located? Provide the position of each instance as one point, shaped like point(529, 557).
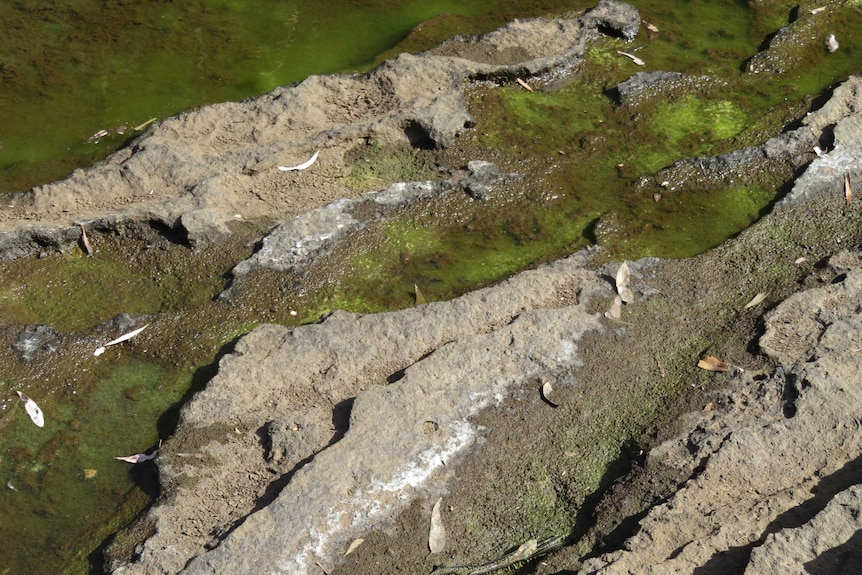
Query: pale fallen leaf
point(420, 297)
point(32, 410)
point(817, 10)
point(547, 392)
point(710, 363)
point(138, 457)
point(140, 127)
point(301, 166)
point(121, 339)
point(90, 473)
point(651, 27)
point(755, 300)
point(623, 279)
point(354, 545)
point(525, 551)
point(634, 58)
point(524, 84)
point(831, 43)
point(798, 261)
point(85, 241)
point(437, 534)
point(848, 193)
point(616, 308)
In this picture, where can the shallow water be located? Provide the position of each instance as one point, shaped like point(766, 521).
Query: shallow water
point(69, 70)
point(101, 65)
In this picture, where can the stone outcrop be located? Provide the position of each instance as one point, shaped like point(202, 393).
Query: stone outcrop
point(196, 172)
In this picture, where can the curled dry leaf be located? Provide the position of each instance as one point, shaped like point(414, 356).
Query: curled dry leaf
point(848, 193)
point(525, 551)
point(547, 392)
point(524, 84)
point(633, 58)
point(32, 410)
point(420, 297)
point(138, 457)
point(437, 533)
point(302, 166)
point(354, 545)
point(87, 247)
point(623, 279)
point(616, 308)
point(710, 363)
point(755, 300)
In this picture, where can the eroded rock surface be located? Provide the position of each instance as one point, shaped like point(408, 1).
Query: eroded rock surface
point(197, 172)
point(767, 462)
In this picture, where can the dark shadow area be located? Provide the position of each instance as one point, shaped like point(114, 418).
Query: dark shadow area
point(734, 560)
point(418, 135)
point(789, 395)
point(845, 559)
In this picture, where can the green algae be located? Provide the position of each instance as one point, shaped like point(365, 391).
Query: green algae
point(65, 478)
point(72, 69)
point(603, 154)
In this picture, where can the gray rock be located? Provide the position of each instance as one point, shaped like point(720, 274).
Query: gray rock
point(755, 466)
point(418, 376)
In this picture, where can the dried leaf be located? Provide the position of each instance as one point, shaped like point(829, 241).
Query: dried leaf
point(437, 534)
point(623, 279)
point(140, 127)
point(651, 27)
point(710, 363)
point(420, 297)
point(90, 473)
point(121, 339)
point(755, 300)
point(32, 410)
point(799, 261)
point(848, 193)
point(634, 58)
point(547, 392)
point(524, 84)
point(525, 551)
point(354, 545)
point(616, 308)
point(831, 43)
point(301, 166)
point(138, 457)
point(85, 241)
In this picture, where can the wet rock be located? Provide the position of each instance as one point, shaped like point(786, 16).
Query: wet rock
point(35, 341)
point(292, 244)
point(417, 376)
point(645, 81)
point(203, 169)
point(616, 17)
